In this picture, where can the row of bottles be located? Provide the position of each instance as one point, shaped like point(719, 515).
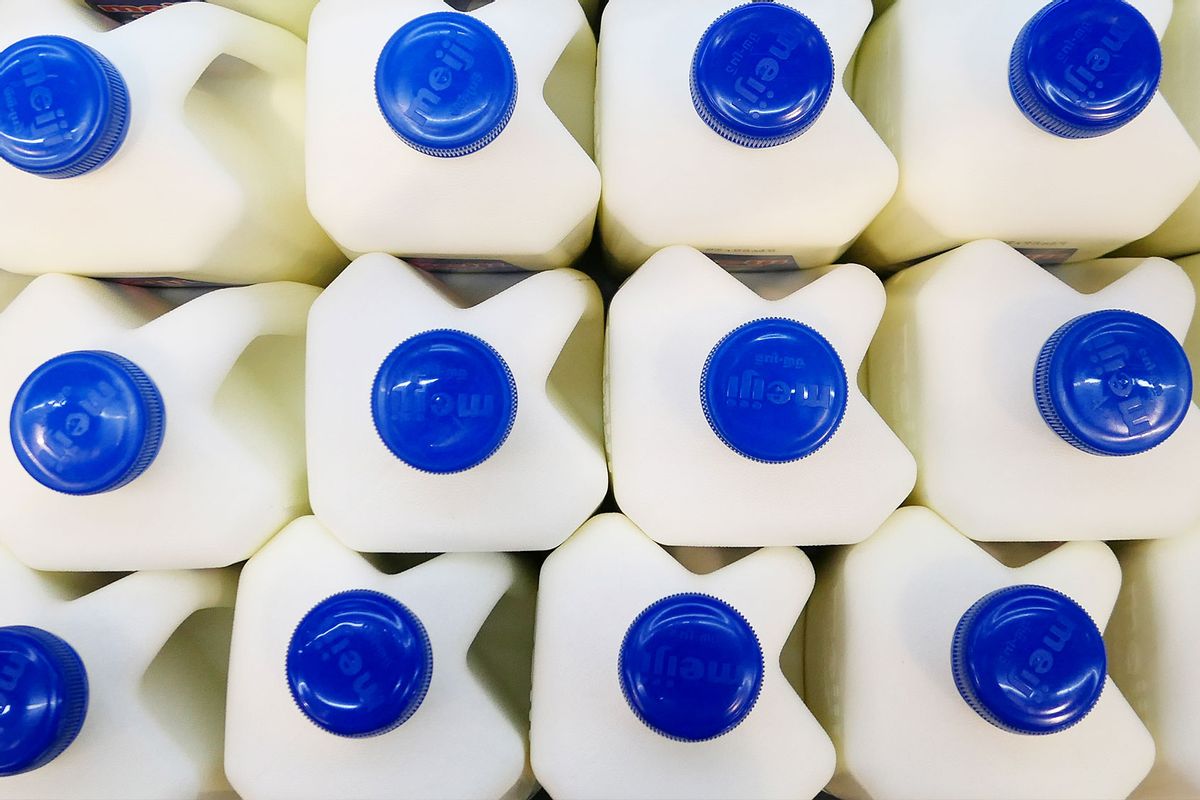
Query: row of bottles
point(729, 410)
point(646, 673)
point(199, 143)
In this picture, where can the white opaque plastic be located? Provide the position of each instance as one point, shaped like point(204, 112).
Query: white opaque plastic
point(153, 729)
point(1191, 266)
point(674, 476)
point(467, 739)
point(877, 674)
point(1180, 234)
point(586, 741)
point(547, 476)
point(208, 185)
point(527, 198)
point(671, 179)
point(1156, 648)
point(230, 472)
point(952, 371)
point(933, 78)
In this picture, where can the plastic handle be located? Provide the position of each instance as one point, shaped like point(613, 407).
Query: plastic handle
point(207, 336)
point(188, 37)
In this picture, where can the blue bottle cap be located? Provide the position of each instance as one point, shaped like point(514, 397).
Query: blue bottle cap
point(66, 108)
point(43, 698)
point(774, 390)
point(1113, 383)
point(444, 401)
point(359, 664)
point(1083, 68)
point(691, 667)
point(1029, 660)
point(446, 84)
point(87, 422)
point(761, 74)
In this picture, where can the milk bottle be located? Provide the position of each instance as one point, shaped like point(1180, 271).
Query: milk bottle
point(439, 423)
point(347, 682)
point(149, 440)
point(734, 417)
point(290, 14)
point(651, 681)
point(1028, 402)
point(1156, 652)
point(167, 148)
point(941, 672)
point(462, 139)
point(1036, 123)
point(724, 125)
point(109, 692)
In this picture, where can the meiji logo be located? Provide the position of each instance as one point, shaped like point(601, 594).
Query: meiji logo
point(92, 404)
point(419, 402)
point(1085, 75)
point(751, 389)
point(350, 664)
point(1028, 680)
point(667, 667)
point(753, 84)
point(10, 677)
point(1111, 359)
point(454, 60)
point(49, 122)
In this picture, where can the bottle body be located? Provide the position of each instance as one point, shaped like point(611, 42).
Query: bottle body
point(897, 599)
point(388, 173)
point(464, 738)
point(812, 194)
point(955, 371)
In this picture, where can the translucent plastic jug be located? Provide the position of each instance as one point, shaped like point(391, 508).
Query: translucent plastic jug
point(1031, 404)
point(169, 148)
point(725, 125)
point(148, 440)
point(439, 423)
point(290, 14)
point(651, 681)
point(463, 139)
point(944, 674)
point(1156, 653)
point(112, 692)
point(1035, 123)
point(734, 415)
point(347, 682)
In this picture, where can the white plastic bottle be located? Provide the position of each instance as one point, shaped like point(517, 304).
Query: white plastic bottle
point(734, 417)
point(463, 139)
point(436, 423)
point(941, 673)
point(149, 440)
point(725, 125)
point(1155, 639)
point(290, 14)
point(1029, 404)
point(113, 693)
point(652, 682)
point(1037, 123)
point(349, 683)
point(1191, 267)
point(171, 147)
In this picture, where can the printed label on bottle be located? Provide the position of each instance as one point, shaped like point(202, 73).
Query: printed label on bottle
point(169, 283)
point(754, 262)
point(127, 12)
point(1050, 254)
point(463, 265)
